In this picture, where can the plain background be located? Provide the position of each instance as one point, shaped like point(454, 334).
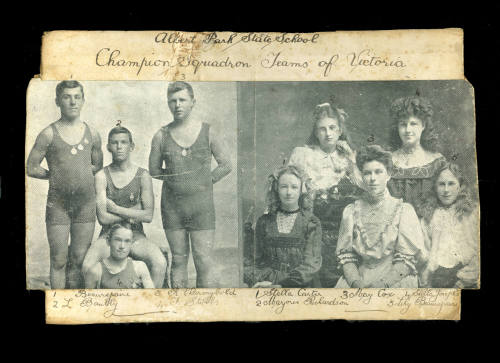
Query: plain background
point(282, 120)
point(142, 108)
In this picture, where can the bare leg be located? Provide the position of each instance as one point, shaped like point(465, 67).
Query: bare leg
point(147, 251)
point(202, 243)
point(81, 237)
point(165, 250)
point(179, 245)
point(98, 251)
point(58, 243)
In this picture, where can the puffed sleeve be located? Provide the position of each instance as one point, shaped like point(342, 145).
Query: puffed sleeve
point(304, 273)
point(469, 274)
point(298, 157)
point(426, 232)
point(410, 245)
point(345, 252)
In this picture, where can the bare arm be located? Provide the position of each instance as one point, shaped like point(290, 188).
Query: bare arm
point(142, 271)
point(155, 160)
point(93, 277)
point(103, 215)
point(144, 214)
point(37, 154)
point(224, 166)
point(96, 156)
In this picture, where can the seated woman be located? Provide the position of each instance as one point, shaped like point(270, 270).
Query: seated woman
point(415, 159)
point(450, 225)
point(288, 237)
point(330, 162)
point(380, 238)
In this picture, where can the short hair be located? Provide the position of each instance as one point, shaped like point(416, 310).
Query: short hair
point(419, 107)
point(117, 226)
point(374, 153)
point(120, 130)
point(326, 110)
point(68, 84)
point(272, 197)
point(179, 86)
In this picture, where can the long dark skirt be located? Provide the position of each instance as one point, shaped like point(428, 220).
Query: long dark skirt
point(328, 207)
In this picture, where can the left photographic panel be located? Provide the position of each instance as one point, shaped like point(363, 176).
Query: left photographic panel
point(131, 185)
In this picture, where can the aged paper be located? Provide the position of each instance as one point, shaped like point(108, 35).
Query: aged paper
point(123, 306)
point(223, 67)
point(226, 56)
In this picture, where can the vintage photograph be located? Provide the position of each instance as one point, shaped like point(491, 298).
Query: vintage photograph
point(131, 185)
point(359, 184)
point(156, 184)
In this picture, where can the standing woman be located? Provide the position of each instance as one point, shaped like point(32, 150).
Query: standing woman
point(415, 159)
point(330, 162)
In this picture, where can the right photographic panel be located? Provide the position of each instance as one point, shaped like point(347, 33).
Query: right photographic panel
point(358, 184)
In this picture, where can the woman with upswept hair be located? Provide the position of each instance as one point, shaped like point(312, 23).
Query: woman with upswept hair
point(330, 162)
point(449, 221)
point(380, 239)
point(414, 140)
point(287, 248)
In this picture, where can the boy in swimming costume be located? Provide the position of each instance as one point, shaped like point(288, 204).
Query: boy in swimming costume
point(119, 271)
point(186, 145)
point(124, 192)
point(73, 153)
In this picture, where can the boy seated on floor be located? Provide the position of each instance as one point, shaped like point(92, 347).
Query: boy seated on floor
point(119, 271)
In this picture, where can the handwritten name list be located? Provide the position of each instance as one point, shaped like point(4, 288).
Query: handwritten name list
point(228, 304)
point(229, 56)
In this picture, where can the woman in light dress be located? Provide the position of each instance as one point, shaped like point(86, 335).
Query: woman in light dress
point(450, 225)
point(330, 162)
point(380, 239)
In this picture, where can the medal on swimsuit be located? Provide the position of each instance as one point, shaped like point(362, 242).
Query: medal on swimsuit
point(132, 197)
point(80, 147)
point(73, 151)
point(184, 152)
point(86, 141)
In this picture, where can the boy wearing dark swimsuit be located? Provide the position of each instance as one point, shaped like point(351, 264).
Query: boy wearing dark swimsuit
point(186, 145)
point(119, 271)
point(73, 153)
point(124, 192)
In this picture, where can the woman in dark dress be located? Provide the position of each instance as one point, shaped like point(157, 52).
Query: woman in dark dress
point(288, 237)
point(415, 158)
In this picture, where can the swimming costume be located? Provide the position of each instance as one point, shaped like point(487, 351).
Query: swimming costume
point(125, 279)
point(125, 197)
point(187, 195)
point(71, 196)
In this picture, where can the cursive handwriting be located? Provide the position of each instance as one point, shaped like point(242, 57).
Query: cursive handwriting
point(273, 60)
point(368, 58)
